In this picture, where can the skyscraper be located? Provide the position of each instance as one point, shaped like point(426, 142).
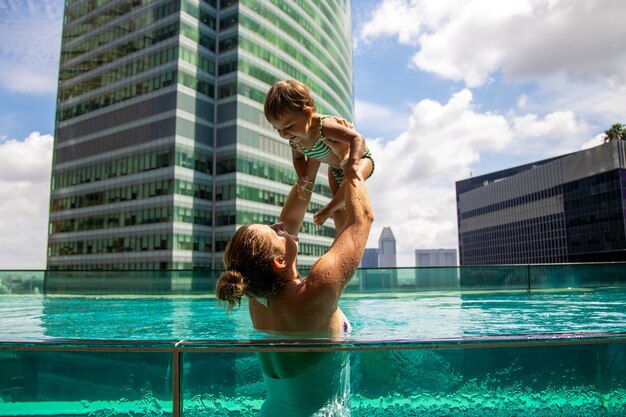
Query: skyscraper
point(387, 249)
point(161, 147)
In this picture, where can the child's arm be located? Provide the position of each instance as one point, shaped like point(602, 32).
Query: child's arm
point(337, 130)
point(299, 162)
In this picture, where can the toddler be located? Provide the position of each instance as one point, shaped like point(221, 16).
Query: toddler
point(316, 138)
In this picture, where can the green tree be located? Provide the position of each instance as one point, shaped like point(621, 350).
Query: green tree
point(616, 132)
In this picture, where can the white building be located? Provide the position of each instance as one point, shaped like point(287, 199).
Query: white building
point(436, 257)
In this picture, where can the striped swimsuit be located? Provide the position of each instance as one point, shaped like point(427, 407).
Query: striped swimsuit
point(321, 150)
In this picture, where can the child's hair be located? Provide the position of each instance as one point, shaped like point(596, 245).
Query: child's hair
point(287, 95)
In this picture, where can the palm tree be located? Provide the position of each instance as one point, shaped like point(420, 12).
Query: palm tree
point(616, 132)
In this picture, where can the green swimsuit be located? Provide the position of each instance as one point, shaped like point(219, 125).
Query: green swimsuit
point(321, 391)
point(320, 150)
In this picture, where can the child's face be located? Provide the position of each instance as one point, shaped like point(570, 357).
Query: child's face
point(293, 125)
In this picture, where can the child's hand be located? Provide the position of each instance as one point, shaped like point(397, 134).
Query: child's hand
point(305, 188)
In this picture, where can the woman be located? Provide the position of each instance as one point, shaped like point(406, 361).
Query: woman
point(261, 263)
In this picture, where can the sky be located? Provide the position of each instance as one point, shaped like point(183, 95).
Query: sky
point(444, 90)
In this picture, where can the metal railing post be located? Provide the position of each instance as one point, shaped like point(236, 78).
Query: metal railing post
point(176, 405)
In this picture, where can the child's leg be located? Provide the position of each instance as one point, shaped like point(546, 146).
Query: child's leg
point(325, 212)
point(339, 215)
point(338, 201)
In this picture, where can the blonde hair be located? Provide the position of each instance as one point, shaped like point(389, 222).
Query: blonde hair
point(249, 268)
point(287, 95)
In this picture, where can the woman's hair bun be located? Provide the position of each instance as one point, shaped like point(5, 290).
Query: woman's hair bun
point(230, 288)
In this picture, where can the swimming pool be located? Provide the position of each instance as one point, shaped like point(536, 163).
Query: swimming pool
point(540, 353)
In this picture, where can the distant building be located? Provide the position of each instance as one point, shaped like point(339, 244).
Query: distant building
point(436, 257)
point(564, 209)
point(379, 278)
point(370, 258)
point(385, 255)
point(387, 249)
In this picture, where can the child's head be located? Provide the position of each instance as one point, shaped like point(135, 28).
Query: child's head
point(288, 95)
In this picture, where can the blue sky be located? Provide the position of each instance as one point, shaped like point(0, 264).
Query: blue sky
point(444, 89)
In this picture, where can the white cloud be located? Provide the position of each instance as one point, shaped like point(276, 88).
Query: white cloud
point(30, 45)
point(595, 141)
point(25, 168)
point(28, 160)
point(413, 187)
point(560, 65)
point(442, 140)
point(557, 123)
point(555, 134)
point(606, 104)
point(379, 120)
point(24, 78)
point(406, 19)
point(470, 40)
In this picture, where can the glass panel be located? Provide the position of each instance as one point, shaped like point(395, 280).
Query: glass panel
point(529, 379)
point(84, 383)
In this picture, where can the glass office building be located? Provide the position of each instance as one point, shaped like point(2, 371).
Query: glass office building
point(571, 208)
point(161, 147)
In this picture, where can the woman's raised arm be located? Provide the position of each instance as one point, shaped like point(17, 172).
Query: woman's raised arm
point(332, 272)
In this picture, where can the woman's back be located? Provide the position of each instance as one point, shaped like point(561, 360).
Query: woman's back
point(294, 312)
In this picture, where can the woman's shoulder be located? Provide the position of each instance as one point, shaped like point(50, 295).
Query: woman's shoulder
point(324, 276)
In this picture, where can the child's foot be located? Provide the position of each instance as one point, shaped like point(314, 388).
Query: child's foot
point(321, 216)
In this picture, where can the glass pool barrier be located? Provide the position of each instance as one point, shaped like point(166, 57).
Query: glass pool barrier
point(453, 342)
point(539, 375)
point(493, 277)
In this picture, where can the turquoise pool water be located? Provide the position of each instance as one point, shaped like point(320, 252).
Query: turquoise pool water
point(374, 317)
point(547, 353)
